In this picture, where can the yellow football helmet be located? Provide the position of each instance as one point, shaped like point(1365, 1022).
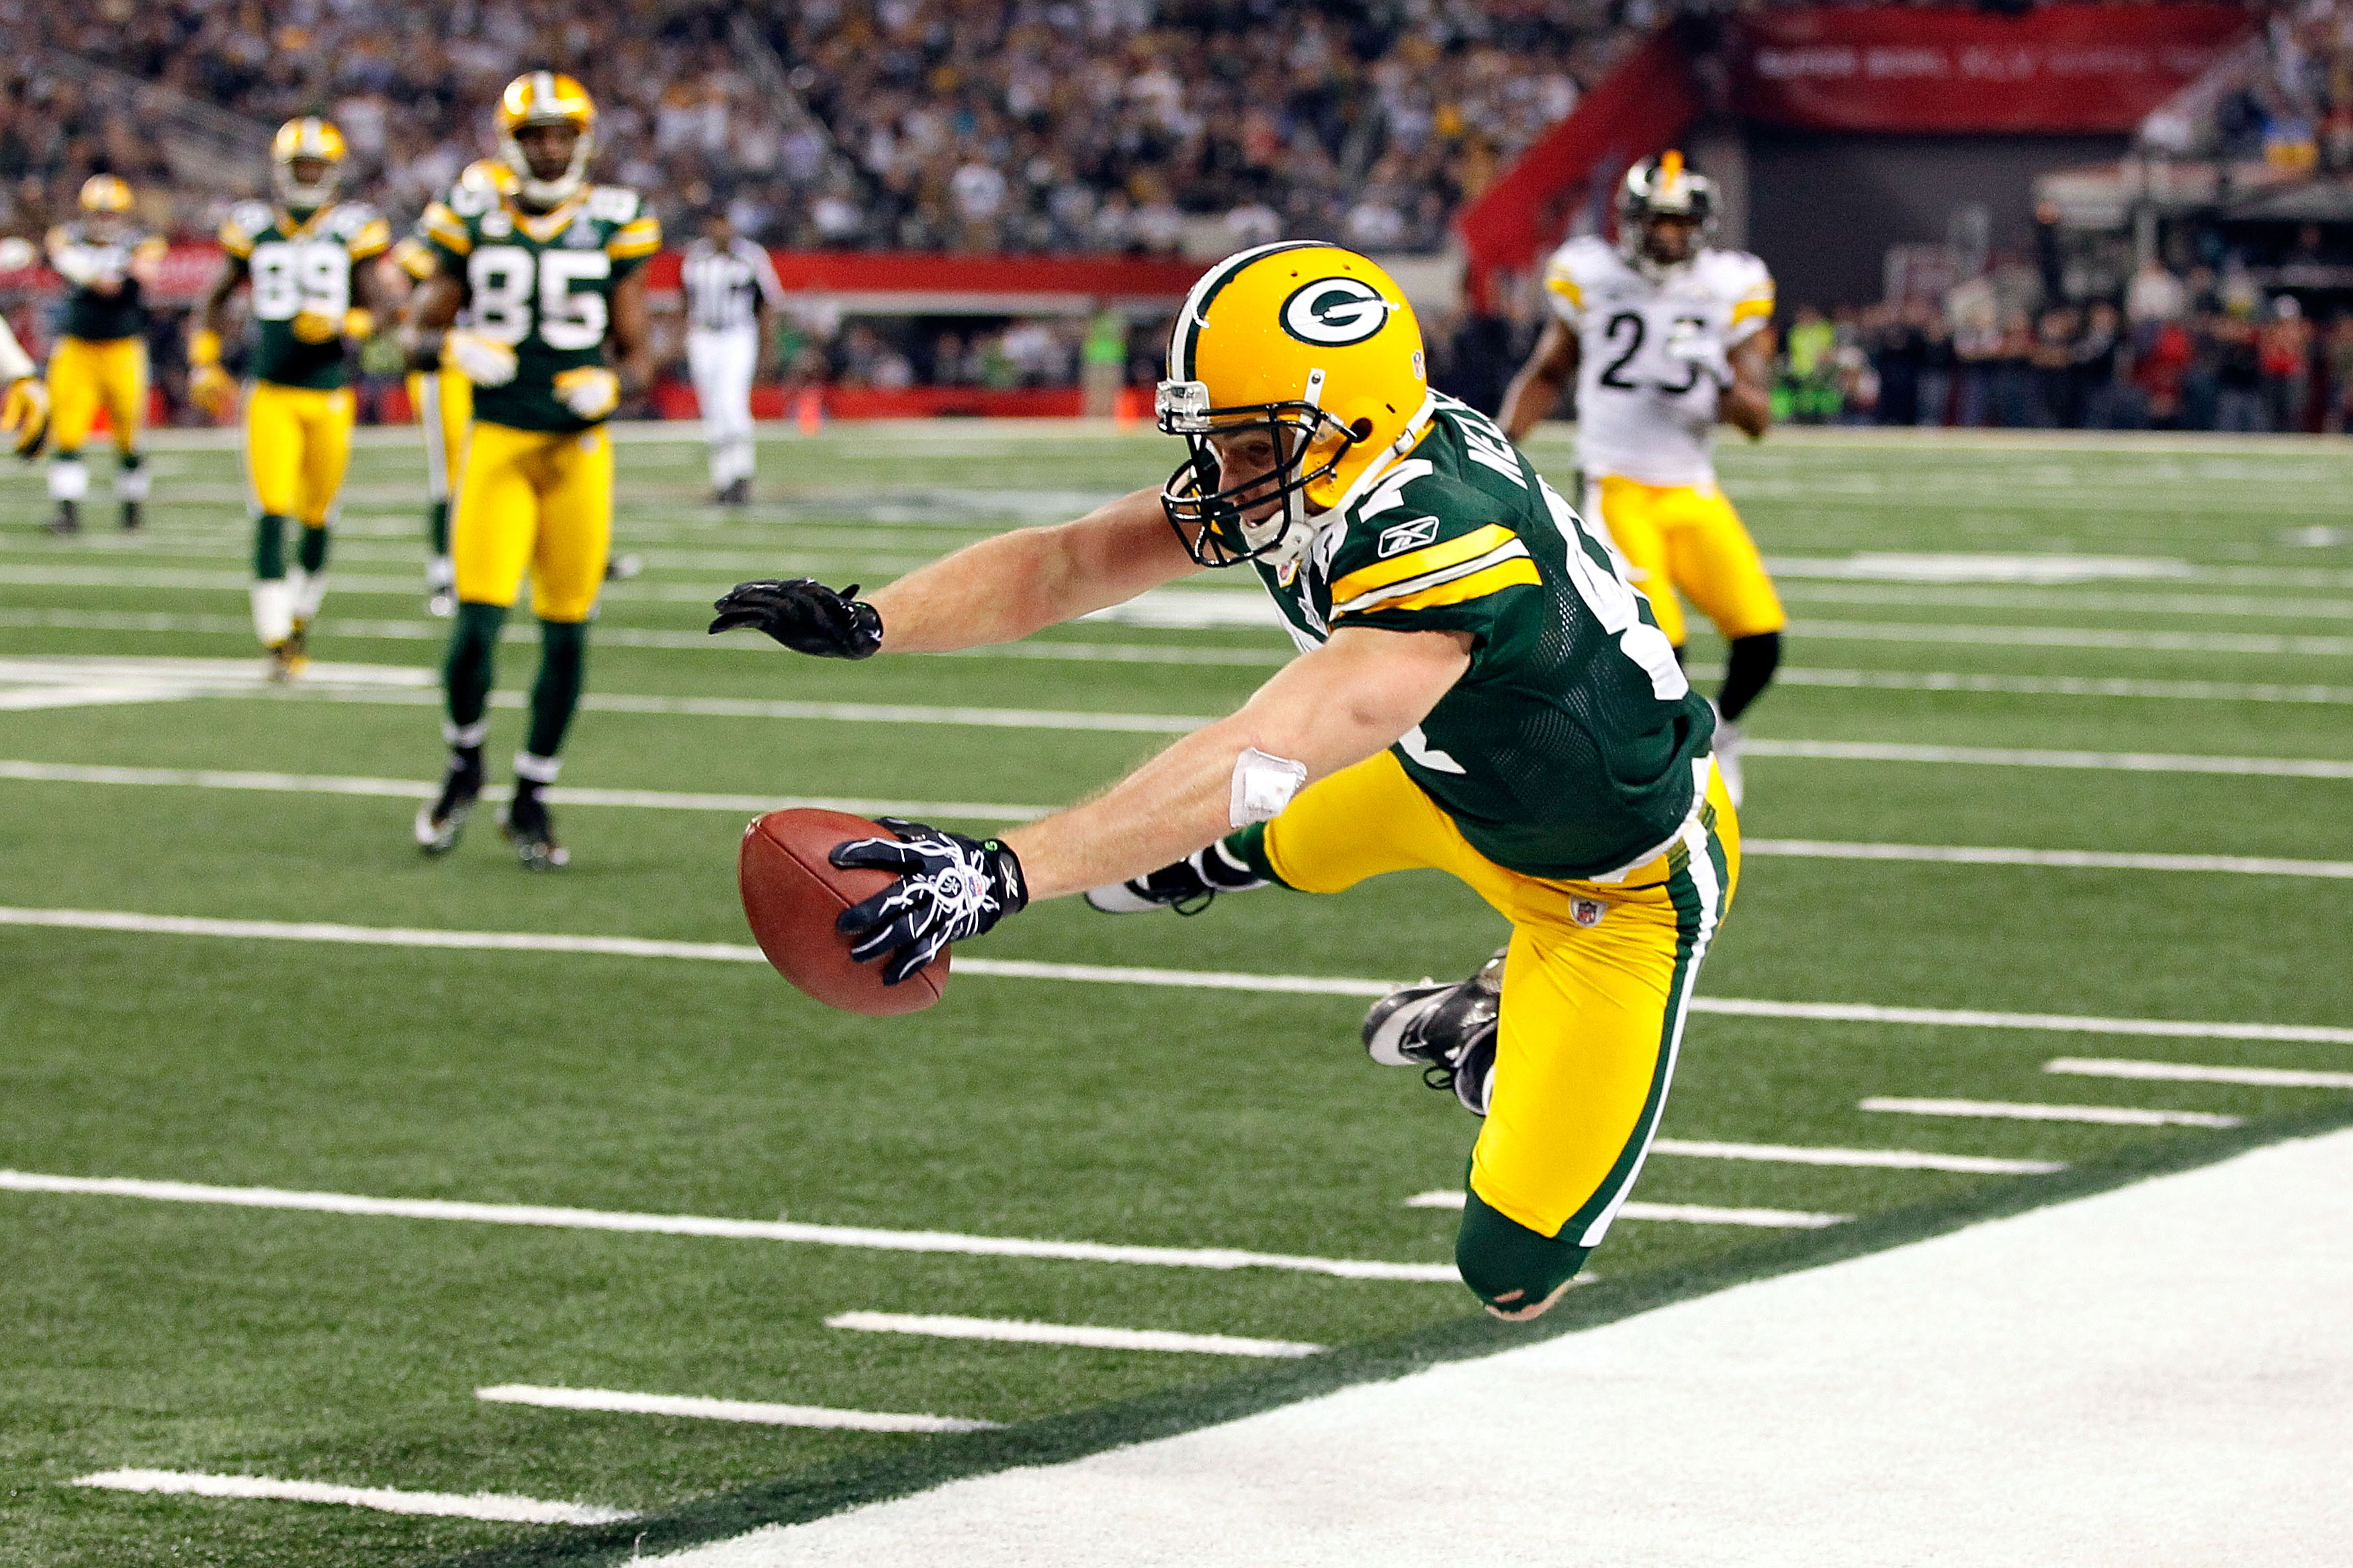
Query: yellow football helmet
point(1311, 343)
point(309, 139)
point(546, 98)
point(106, 195)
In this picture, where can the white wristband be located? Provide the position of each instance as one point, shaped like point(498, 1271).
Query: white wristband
point(1264, 786)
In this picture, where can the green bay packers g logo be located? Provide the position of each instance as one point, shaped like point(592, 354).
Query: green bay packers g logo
point(1335, 313)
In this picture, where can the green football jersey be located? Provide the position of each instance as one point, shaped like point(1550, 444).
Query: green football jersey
point(1572, 747)
point(95, 315)
point(300, 265)
point(541, 283)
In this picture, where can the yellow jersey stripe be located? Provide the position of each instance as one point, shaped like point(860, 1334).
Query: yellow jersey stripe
point(1567, 288)
point(236, 241)
point(1376, 597)
point(1749, 308)
point(642, 238)
point(1477, 585)
point(446, 228)
point(1414, 563)
point(373, 241)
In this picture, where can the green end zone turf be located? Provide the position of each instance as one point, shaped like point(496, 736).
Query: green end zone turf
point(346, 1349)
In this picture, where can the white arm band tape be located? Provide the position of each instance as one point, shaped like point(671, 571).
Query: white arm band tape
point(1264, 786)
point(14, 363)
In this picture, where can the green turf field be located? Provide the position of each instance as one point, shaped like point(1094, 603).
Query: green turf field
point(2062, 645)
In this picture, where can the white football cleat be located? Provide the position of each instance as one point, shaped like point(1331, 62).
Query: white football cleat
point(1728, 737)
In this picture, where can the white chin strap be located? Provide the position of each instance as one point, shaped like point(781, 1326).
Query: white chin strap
point(1296, 526)
point(547, 192)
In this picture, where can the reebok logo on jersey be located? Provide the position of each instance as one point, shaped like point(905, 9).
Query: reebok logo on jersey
point(1335, 313)
point(1410, 535)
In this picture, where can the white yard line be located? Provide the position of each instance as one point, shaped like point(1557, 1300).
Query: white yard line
point(1884, 1159)
point(2093, 859)
point(861, 1237)
point(1792, 675)
point(1083, 1334)
point(413, 789)
point(2109, 1115)
point(493, 1506)
point(1681, 1214)
point(747, 1410)
point(2076, 637)
point(1112, 974)
point(2014, 757)
point(2185, 1072)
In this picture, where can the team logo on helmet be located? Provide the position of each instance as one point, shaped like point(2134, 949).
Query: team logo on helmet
point(1335, 313)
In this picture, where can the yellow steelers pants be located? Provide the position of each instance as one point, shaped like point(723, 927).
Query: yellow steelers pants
point(297, 442)
point(1596, 982)
point(86, 375)
point(444, 402)
point(1687, 538)
point(534, 500)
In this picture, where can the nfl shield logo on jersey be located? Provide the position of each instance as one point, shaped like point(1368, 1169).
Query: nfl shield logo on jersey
point(1586, 912)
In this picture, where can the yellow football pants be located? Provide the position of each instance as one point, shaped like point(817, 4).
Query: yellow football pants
point(1595, 983)
point(297, 442)
point(1688, 538)
point(86, 375)
point(535, 501)
point(443, 401)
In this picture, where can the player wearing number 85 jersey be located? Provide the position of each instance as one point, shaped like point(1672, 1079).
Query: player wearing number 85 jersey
point(1666, 336)
point(549, 273)
point(301, 258)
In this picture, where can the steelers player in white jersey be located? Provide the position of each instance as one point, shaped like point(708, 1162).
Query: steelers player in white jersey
point(24, 395)
point(101, 360)
point(303, 255)
point(1666, 336)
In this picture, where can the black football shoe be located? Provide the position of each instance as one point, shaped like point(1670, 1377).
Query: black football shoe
point(68, 520)
point(439, 825)
point(528, 827)
point(1448, 1031)
point(1188, 886)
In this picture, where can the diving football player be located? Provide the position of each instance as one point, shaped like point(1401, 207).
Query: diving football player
point(100, 360)
point(23, 397)
point(303, 256)
point(549, 274)
point(1666, 335)
point(443, 400)
point(1478, 690)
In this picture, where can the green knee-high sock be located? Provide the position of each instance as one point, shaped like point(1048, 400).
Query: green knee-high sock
point(436, 526)
point(466, 673)
point(268, 547)
point(312, 553)
point(563, 661)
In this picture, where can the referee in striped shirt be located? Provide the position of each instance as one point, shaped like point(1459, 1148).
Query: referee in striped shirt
point(731, 298)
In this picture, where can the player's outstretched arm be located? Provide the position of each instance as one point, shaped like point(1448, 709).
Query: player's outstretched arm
point(1746, 402)
point(1324, 710)
point(1535, 391)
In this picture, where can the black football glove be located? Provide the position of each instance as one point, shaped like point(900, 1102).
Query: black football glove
point(949, 887)
point(805, 616)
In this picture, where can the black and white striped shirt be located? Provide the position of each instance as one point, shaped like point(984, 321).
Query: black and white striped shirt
point(725, 286)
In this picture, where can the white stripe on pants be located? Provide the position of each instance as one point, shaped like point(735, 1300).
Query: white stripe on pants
point(720, 363)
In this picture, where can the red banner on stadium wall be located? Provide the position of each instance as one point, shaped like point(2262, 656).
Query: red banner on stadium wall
point(2056, 69)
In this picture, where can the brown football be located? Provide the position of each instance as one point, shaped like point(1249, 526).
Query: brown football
point(792, 894)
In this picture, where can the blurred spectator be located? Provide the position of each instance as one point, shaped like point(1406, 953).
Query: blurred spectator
point(2284, 346)
point(2238, 376)
point(2339, 356)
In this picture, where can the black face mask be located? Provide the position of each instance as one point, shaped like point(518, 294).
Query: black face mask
point(1207, 519)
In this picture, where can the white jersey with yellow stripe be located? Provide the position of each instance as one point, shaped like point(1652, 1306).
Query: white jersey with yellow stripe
point(1644, 411)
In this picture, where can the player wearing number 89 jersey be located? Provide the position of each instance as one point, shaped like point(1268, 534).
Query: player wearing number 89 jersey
point(1666, 336)
point(301, 257)
point(548, 270)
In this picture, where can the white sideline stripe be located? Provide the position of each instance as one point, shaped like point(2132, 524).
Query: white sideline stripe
point(2111, 1115)
point(1886, 1159)
point(2005, 757)
point(863, 1237)
point(1189, 979)
point(2076, 637)
point(412, 789)
point(1685, 1213)
point(1788, 675)
point(753, 1411)
point(2096, 859)
point(2185, 1072)
point(1092, 1338)
point(493, 1506)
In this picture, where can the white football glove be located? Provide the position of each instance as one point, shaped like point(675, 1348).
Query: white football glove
point(484, 360)
point(1692, 344)
point(589, 390)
